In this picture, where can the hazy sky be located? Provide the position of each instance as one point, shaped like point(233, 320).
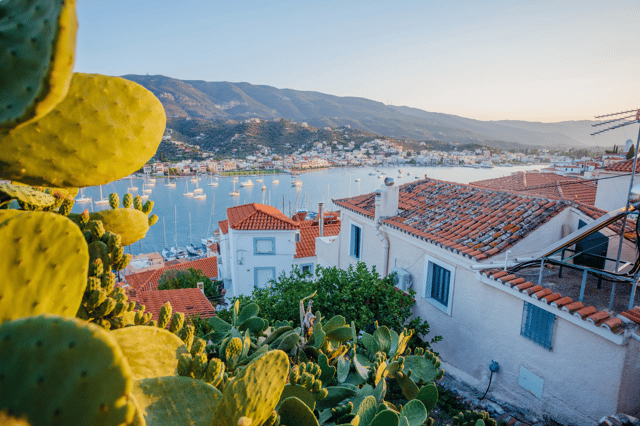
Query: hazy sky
point(531, 60)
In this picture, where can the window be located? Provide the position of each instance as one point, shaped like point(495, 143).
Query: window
point(356, 241)
point(266, 245)
point(262, 276)
point(307, 267)
point(298, 237)
point(439, 284)
point(537, 325)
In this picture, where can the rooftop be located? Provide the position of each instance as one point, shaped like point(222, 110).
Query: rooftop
point(622, 166)
point(149, 280)
point(310, 230)
point(189, 301)
point(549, 185)
point(256, 216)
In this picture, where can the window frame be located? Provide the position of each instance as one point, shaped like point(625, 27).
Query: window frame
point(255, 275)
point(309, 265)
point(352, 245)
point(255, 246)
point(428, 286)
point(533, 319)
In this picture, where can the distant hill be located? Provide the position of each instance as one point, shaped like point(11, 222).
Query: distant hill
point(225, 100)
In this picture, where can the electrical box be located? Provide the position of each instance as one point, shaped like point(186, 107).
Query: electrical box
point(403, 278)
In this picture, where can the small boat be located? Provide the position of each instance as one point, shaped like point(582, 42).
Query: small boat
point(152, 180)
point(102, 200)
point(235, 179)
point(259, 180)
point(235, 193)
point(181, 253)
point(187, 193)
point(372, 174)
point(165, 252)
point(170, 184)
point(275, 181)
point(264, 187)
point(194, 179)
point(297, 182)
point(144, 197)
point(82, 198)
point(247, 183)
point(200, 196)
point(408, 173)
point(191, 249)
point(358, 180)
point(131, 187)
point(145, 189)
point(212, 183)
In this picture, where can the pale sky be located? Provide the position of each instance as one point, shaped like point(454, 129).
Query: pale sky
point(525, 60)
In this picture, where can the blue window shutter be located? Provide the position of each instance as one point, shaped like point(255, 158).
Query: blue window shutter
point(352, 249)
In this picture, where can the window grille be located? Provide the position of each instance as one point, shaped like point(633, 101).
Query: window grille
point(537, 325)
point(356, 241)
point(440, 279)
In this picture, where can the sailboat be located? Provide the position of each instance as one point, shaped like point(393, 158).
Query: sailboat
point(150, 182)
point(131, 187)
point(166, 253)
point(211, 182)
point(234, 193)
point(178, 252)
point(82, 198)
point(195, 178)
point(198, 189)
point(209, 240)
point(102, 200)
point(170, 184)
point(275, 181)
point(247, 183)
point(145, 188)
point(186, 190)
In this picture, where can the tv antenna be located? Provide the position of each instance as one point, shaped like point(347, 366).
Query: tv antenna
point(615, 122)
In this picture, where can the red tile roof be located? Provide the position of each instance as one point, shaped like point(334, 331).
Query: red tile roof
point(310, 230)
point(468, 220)
point(550, 185)
point(587, 313)
point(144, 282)
point(256, 216)
point(189, 301)
point(224, 226)
point(623, 166)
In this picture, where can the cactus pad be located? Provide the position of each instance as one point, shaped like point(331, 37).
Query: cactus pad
point(385, 418)
point(415, 412)
point(132, 225)
point(255, 391)
point(27, 196)
point(37, 50)
point(62, 371)
point(300, 392)
point(104, 129)
point(44, 265)
point(176, 401)
point(150, 351)
point(292, 411)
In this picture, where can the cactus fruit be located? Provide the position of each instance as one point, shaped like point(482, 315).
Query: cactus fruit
point(127, 200)
point(150, 351)
point(148, 206)
point(293, 411)
point(114, 200)
point(198, 346)
point(42, 245)
point(176, 322)
point(255, 391)
point(165, 315)
point(28, 197)
point(215, 372)
point(169, 401)
point(473, 418)
point(184, 365)
point(38, 49)
point(59, 370)
point(111, 125)
point(186, 334)
point(153, 219)
point(137, 202)
point(66, 206)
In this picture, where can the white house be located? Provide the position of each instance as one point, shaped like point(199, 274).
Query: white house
point(258, 243)
point(564, 340)
point(613, 186)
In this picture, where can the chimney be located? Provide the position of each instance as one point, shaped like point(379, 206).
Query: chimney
point(389, 199)
point(321, 219)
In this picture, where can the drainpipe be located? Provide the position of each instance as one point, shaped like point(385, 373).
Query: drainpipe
point(321, 219)
point(381, 236)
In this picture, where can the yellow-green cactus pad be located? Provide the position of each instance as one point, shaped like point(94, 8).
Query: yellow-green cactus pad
point(63, 371)
point(255, 391)
point(44, 264)
point(130, 224)
point(176, 401)
point(37, 49)
point(104, 129)
point(32, 198)
point(150, 351)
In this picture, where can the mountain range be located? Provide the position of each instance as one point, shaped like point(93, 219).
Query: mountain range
point(239, 101)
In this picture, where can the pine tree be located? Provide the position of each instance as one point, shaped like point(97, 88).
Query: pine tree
point(631, 153)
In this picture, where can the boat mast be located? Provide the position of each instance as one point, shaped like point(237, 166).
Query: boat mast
point(175, 231)
point(164, 232)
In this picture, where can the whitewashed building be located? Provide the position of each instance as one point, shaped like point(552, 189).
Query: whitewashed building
point(567, 346)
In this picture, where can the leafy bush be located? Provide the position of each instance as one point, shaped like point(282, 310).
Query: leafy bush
point(174, 279)
point(358, 294)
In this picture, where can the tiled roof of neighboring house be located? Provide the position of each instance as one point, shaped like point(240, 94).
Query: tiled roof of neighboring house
point(595, 213)
point(475, 222)
point(189, 301)
point(549, 185)
point(224, 226)
point(259, 216)
point(310, 230)
point(140, 282)
point(623, 166)
point(554, 299)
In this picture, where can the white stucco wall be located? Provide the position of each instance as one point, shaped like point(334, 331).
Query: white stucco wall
point(371, 249)
point(241, 247)
point(328, 251)
point(612, 193)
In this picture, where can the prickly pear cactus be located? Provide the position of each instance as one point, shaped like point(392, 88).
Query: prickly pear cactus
point(473, 418)
point(150, 351)
point(28, 197)
point(37, 51)
point(131, 224)
point(44, 264)
point(111, 125)
point(254, 392)
point(63, 371)
point(177, 401)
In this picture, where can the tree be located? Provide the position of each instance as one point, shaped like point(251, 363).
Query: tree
point(631, 153)
point(174, 279)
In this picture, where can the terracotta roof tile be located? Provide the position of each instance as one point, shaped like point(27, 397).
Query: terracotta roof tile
point(623, 166)
point(189, 301)
point(224, 226)
point(256, 216)
point(208, 265)
point(310, 230)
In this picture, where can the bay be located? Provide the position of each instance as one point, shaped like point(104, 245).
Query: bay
point(175, 209)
